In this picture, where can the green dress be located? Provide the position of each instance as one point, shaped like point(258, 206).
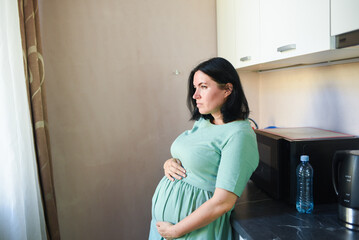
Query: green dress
point(214, 156)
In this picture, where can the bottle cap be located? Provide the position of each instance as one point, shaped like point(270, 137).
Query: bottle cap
point(304, 158)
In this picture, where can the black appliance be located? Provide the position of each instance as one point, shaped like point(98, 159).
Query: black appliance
point(280, 150)
point(346, 186)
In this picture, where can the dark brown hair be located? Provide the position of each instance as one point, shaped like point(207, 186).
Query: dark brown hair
point(222, 72)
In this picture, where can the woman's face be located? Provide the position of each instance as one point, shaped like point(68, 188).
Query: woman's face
point(209, 97)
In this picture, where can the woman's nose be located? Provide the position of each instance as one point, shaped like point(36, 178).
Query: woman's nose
point(195, 95)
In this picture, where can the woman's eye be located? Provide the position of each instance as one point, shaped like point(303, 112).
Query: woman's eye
point(204, 87)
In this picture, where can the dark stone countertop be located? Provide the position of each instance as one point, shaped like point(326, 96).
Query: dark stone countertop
point(257, 216)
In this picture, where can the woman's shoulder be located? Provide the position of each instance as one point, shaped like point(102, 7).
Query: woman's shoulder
point(240, 128)
point(238, 125)
point(227, 129)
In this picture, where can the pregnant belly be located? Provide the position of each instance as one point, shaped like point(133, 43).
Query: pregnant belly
point(173, 201)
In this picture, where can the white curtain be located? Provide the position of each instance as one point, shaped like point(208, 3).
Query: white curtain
point(21, 212)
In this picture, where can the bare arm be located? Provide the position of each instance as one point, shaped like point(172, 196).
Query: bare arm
point(221, 202)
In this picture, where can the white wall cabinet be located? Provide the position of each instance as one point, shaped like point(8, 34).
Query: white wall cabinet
point(238, 31)
point(269, 34)
point(226, 30)
point(247, 22)
point(344, 16)
point(293, 27)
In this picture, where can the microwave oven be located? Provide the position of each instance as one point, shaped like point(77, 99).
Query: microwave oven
point(279, 155)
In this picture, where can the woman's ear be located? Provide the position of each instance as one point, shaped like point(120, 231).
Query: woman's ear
point(228, 89)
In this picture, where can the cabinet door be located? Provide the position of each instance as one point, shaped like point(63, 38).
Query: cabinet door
point(247, 32)
point(226, 30)
point(344, 16)
point(293, 27)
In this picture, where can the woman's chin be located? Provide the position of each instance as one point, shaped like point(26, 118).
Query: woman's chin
point(203, 112)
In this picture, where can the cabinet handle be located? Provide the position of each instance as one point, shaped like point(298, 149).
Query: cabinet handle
point(286, 48)
point(246, 58)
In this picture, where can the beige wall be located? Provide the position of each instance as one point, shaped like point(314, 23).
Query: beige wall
point(115, 105)
point(250, 84)
point(323, 97)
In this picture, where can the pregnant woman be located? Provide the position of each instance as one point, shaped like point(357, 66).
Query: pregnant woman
point(211, 163)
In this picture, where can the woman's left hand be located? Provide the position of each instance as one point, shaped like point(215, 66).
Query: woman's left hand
point(166, 230)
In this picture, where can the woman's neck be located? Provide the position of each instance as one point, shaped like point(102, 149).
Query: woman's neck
point(217, 119)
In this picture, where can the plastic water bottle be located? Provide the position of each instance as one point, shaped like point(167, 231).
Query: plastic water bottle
point(304, 202)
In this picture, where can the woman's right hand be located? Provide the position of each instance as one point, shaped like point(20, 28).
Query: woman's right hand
point(173, 169)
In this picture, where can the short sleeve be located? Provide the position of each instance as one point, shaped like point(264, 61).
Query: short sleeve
point(239, 158)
